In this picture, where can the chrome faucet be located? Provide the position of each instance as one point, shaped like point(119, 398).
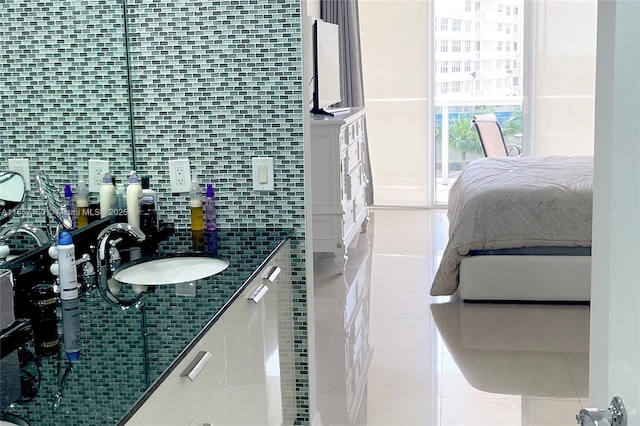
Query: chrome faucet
point(104, 252)
point(36, 233)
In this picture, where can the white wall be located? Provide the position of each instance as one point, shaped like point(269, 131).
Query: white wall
point(615, 296)
point(395, 45)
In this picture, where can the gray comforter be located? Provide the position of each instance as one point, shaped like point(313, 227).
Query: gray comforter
point(513, 202)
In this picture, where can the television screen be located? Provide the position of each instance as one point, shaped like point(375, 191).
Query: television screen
point(326, 65)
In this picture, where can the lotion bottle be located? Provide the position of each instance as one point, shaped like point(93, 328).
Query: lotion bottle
point(70, 207)
point(134, 196)
point(107, 195)
point(195, 204)
point(67, 274)
point(82, 204)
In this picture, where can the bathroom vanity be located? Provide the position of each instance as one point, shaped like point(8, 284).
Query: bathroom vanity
point(191, 353)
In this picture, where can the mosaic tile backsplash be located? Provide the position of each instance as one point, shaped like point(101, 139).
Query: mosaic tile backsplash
point(217, 82)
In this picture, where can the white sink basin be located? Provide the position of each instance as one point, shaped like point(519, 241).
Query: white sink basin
point(171, 270)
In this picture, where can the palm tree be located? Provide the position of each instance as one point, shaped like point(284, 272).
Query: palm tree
point(512, 127)
point(464, 138)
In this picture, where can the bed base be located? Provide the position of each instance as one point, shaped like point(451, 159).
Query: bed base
point(514, 278)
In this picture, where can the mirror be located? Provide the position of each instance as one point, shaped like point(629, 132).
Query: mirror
point(65, 92)
point(13, 193)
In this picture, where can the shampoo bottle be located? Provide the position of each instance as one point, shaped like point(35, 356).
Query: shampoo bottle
point(107, 196)
point(67, 274)
point(210, 209)
point(82, 204)
point(195, 203)
point(134, 196)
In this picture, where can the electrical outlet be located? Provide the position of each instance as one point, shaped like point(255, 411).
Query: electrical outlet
point(180, 175)
point(21, 165)
point(96, 171)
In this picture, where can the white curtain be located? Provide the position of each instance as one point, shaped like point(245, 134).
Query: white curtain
point(344, 13)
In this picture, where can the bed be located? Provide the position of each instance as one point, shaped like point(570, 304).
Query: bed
point(519, 230)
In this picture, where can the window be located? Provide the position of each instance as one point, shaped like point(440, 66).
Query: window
point(444, 88)
point(444, 67)
point(507, 46)
point(444, 45)
point(515, 46)
point(508, 10)
point(499, 64)
point(499, 46)
point(477, 46)
point(444, 24)
point(476, 65)
point(499, 27)
point(499, 84)
point(500, 7)
point(468, 86)
point(467, 26)
point(456, 25)
point(467, 45)
point(467, 5)
point(478, 26)
point(455, 45)
point(478, 6)
point(455, 87)
point(515, 10)
point(455, 66)
point(507, 65)
point(516, 81)
point(467, 66)
point(507, 29)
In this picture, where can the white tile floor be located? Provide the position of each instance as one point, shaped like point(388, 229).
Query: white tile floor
point(390, 354)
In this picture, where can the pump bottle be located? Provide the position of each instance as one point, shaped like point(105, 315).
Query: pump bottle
point(82, 204)
point(210, 209)
point(195, 203)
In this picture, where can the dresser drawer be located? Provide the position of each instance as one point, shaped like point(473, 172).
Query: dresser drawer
point(353, 155)
point(355, 129)
point(348, 219)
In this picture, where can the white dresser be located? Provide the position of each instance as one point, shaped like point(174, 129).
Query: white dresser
point(338, 182)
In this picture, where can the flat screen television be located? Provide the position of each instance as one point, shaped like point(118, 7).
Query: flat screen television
point(326, 66)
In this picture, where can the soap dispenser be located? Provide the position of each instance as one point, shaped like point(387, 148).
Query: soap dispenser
point(210, 209)
point(107, 195)
point(195, 204)
point(134, 195)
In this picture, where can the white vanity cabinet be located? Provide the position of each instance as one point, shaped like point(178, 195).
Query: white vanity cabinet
point(240, 384)
point(179, 398)
point(338, 182)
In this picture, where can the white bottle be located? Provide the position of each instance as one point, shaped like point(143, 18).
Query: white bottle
point(67, 274)
point(107, 195)
point(134, 195)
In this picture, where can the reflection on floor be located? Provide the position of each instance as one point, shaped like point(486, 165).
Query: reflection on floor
point(390, 354)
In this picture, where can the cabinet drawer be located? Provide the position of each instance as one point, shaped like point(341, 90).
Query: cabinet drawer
point(178, 399)
point(348, 219)
point(353, 155)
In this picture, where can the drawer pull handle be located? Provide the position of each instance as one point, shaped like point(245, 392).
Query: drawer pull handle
point(272, 274)
point(196, 366)
point(257, 294)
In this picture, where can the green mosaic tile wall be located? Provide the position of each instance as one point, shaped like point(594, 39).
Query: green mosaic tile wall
point(220, 82)
point(217, 82)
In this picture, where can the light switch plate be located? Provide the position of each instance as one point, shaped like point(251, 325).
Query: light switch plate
point(21, 165)
point(96, 170)
point(262, 173)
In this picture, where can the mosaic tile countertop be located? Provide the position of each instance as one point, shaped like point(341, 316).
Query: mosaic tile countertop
point(125, 351)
